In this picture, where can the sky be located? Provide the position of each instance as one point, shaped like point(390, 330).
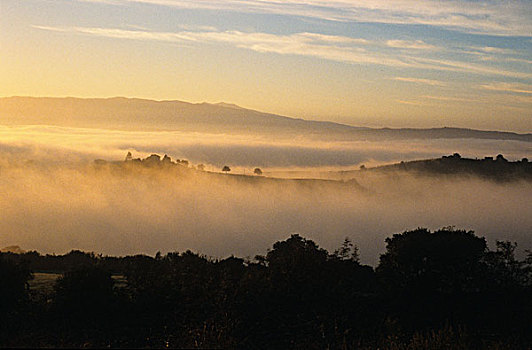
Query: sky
point(401, 63)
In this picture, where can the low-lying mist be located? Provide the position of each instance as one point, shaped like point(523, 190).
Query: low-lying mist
point(53, 144)
point(128, 209)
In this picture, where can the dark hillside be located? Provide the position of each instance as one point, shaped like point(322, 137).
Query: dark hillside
point(492, 168)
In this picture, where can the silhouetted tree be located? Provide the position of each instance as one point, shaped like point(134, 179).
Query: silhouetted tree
point(166, 160)
point(257, 171)
point(347, 251)
point(14, 277)
point(152, 160)
point(444, 261)
point(501, 158)
point(432, 287)
point(429, 278)
point(506, 271)
point(85, 295)
point(226, 169)
point(77, 259)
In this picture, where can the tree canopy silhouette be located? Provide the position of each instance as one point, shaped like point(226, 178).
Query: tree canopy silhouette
point(14, 277)
point(439, 289)
point(446, 260)
point(85, 294)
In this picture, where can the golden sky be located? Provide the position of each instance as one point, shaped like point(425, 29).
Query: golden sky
point(374, 63)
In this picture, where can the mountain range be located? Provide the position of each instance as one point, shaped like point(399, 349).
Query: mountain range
point(141, 114)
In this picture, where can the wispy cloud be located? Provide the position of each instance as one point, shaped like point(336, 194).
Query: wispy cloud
point(518, 60)
point(508, 87)
point(450, 98)
point(334, 38)
point(492, 50)
point(196, 28)
point(328, 47)
point(516, 102)
point(410, 103)
point(496, 54)
point(53, 29)
point(421, 81)
point(486, 17)
point(410, 44)
point(521, 102)
point(466, 67)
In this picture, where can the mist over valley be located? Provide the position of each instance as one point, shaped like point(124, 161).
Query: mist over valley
point(56, 198)
point(265, 174)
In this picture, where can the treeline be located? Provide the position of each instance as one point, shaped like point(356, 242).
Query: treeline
point(498, 168)
point(430, 290)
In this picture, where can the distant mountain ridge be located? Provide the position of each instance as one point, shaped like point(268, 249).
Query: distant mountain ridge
point(141, 114)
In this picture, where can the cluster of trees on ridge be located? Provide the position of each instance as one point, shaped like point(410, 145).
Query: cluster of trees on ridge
point(442, 289)
point(496, 168)
point(154, 160)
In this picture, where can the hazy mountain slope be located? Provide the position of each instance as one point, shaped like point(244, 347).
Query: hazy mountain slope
point(132, 114)
point(140, 114)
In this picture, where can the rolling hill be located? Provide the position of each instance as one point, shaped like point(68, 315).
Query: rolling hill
point(490, 168)
point(140, 114)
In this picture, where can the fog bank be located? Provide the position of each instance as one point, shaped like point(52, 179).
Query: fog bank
point(53, 144)
point(54, 208)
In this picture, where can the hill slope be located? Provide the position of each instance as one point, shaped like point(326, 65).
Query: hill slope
point(491, 168)
point(139, 114)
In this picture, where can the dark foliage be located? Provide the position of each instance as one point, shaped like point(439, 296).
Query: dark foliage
point(14, 278)
point(14, 297)
point(442, 289)
point(446, 261)
point(498, 169)
point(85, 294)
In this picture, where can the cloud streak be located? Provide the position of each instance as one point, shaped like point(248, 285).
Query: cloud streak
point(508, 87)
point(421, 81)
point(451, 99)
point(486, 17)
point(328, 47)
point(410, 44)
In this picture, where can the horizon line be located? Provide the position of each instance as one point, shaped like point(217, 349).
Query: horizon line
point(225, 104)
